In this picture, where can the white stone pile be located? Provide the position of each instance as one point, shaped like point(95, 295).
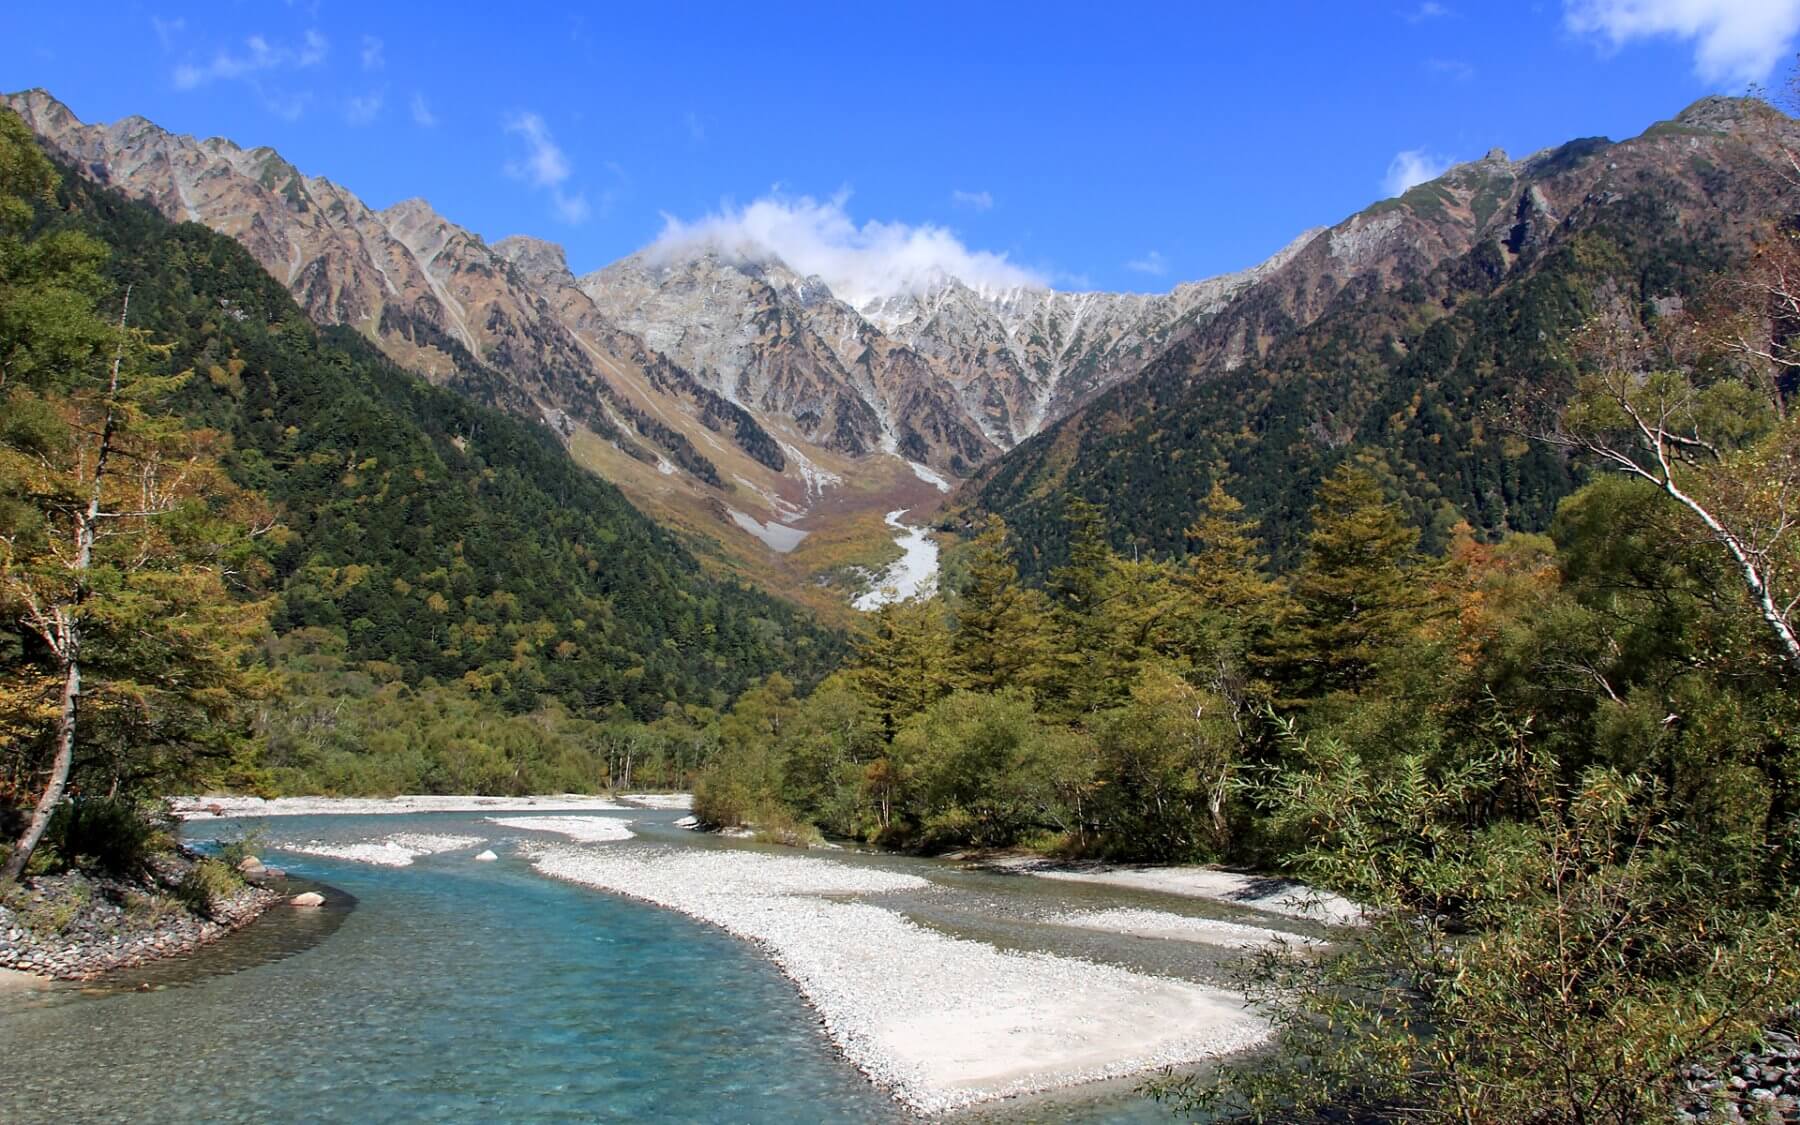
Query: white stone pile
point(680, 802)
point(1178, 927)
point(585, 829)
point(398, 850)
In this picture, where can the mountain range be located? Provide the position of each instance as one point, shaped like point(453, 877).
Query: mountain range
point(774, 421)
point(1413, 337)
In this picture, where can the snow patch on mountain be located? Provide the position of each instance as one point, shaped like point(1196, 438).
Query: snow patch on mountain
point(775, 536)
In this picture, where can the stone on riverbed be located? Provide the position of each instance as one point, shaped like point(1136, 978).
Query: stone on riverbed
point(309, 898)
point(249, 864)
point(487, 856)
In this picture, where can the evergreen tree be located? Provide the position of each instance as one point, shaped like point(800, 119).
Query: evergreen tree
point(1355, 595)
point(1000, 636)
point(1224, 568)
point(903, 663)
point(1080, 591)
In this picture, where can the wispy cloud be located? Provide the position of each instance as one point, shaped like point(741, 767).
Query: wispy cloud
point(1411, 168)
point(364, 109)
point(259, 56)
point(1429, 10)
point(372, 56)
point(287, 106)
point(1151, 264)
point(973, 200)
point(861, 263)
point(1735, 41)
point(167, 31)
point(1455, 69)
point(421, 112)
point(545, 166)
point(696, 128)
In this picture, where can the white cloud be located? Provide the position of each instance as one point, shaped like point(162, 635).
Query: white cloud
point(1411, 168)
point(859, 263)
point(167, 30)
point(1151, 263)
point(696, 128)
point(365, 109)
point(288, 107)
point(974, 200)
point(421, 111)
point(545, 166)
point(1427, 11)
point(372, 58)
point(259, 56)
point(1735, 41)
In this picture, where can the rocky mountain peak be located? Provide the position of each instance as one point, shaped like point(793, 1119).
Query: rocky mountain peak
point(538, 262)
point(1720, 113)
point(41, 110)
point(412, 212)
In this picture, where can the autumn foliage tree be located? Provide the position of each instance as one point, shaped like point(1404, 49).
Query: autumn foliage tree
point(125, 553)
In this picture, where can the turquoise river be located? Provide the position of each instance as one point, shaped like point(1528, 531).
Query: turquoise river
point(459, 991)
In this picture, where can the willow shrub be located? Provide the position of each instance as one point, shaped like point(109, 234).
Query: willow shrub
point(1555, 966)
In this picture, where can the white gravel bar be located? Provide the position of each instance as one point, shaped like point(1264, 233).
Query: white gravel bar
point(939, 1022)
point(190, 807)
point(1258, 892)
point(1178, 927)
point(586, 829)
point(398, 850)
point(675, 801)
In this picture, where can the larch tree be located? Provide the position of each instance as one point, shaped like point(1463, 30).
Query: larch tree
point(1000, 636)
point(902, 663)
point(1353, 598)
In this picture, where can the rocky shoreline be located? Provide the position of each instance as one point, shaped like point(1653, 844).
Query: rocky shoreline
point(78, 926)
point(1758, 1085)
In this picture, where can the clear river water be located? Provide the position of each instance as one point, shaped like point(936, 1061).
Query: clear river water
point(459, 991)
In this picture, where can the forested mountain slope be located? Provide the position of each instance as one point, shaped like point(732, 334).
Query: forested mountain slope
point(435, 536)
point(1415, 363)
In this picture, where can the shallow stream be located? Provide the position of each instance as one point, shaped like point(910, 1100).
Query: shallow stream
point(461, 991)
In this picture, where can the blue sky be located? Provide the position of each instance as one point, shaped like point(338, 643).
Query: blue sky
point(1119, 146)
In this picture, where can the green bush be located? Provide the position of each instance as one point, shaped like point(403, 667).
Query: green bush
point(234, 852)
point(776, 825)
point(116, 835)
point(207, 885)
point(1557, 969)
